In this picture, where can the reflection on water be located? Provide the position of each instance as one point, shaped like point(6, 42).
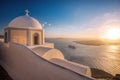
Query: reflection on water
point(113, 51)
point(113, 48)
point(111, 61)
point(106, 57)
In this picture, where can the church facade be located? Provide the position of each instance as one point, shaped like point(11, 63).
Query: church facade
point(25, 30)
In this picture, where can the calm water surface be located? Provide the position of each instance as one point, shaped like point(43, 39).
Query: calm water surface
point(103, 57)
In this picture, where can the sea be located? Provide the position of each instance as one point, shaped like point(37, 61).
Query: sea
point(103, 57)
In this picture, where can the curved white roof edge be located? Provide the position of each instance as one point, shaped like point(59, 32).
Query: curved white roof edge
point(25, 21)
point(21, 28)
point(37, 67)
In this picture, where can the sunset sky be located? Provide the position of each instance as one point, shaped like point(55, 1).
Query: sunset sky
point(65, 18)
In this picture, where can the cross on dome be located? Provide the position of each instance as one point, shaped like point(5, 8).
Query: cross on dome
point(27, 11)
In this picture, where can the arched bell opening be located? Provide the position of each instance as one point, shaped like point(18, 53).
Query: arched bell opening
point(6, 37)
point(36, 39)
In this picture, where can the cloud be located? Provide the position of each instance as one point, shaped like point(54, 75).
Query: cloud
point(46, 24)
point(49, 24)
point(107, 14)
point(98, 24)
point(93, 27)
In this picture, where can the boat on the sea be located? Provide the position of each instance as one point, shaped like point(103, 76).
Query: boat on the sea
point(71, 46)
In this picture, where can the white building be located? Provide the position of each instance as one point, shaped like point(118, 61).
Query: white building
point(26, 56)
point(25, 30)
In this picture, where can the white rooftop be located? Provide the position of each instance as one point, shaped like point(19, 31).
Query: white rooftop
point(25, 21)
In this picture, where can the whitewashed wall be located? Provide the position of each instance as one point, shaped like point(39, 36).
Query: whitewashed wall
point(23, 64)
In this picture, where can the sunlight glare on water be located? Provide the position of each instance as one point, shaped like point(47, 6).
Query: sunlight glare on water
point(113, 51)
point(111, 62)
point(104, 57)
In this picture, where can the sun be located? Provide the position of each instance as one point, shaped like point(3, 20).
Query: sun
point(112, 34)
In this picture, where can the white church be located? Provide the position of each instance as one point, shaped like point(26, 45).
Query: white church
point(25, 30)
point(26, 55)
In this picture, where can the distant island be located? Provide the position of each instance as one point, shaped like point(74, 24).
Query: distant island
point(97, 42)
